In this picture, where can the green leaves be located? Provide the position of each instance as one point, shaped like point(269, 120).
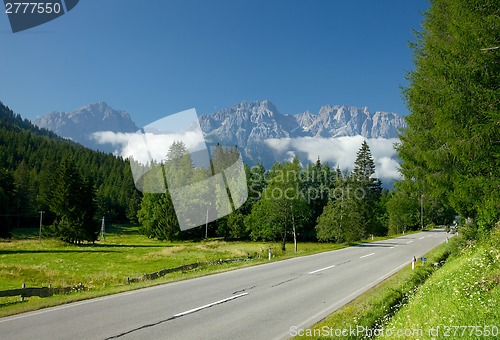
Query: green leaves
point(283, 207)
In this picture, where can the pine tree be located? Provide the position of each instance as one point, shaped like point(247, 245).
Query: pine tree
point(6, 190)
point(364, 183)
point(24, 194)
point(73, 202)
point(158, 218)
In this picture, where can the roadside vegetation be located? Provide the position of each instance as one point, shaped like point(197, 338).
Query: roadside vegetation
point(462, 299)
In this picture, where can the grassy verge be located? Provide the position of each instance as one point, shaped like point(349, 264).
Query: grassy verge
point(459, 301)
point(104, 267)
point(373, 309)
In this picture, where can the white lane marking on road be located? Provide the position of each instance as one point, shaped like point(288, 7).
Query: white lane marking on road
point(367, 255)
point(320, 270)
point(209, 305)
point(422, 238)
point(409, 242)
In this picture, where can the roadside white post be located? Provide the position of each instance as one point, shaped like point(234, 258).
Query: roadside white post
point(269, 252)
point(413, 263)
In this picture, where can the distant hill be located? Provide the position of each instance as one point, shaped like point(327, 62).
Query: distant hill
point(29, 158)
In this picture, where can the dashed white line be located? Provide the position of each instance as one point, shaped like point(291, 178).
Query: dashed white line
point(422, 238)
point(409, 242)
point(209, 305)
point(320, 270)
point(367, 255)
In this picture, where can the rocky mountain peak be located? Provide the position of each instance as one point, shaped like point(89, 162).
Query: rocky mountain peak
point(79, 125)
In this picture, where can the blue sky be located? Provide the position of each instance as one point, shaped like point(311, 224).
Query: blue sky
point(157, 57)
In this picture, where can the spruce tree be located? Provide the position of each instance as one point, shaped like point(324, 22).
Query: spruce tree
point(73, 202)
point(367, 190)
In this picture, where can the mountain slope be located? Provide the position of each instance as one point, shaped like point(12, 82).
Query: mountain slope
point(29, 159)
point(81, 123)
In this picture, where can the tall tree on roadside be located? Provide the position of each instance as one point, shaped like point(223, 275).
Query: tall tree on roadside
point(371, 189)
point(333, 221)
point(317, 185)
point(452, 144)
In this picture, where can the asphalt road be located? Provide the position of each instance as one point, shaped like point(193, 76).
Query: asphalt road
point(267, 301)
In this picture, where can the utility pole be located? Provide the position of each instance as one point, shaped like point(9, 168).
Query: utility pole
point(40, 233)
point(103, 231)
point(206, 226)
point(422, 211)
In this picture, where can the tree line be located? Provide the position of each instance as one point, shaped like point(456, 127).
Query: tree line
point(291, 202)
point(75, 187)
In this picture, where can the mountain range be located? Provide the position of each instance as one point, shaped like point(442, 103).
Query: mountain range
point(257, 128)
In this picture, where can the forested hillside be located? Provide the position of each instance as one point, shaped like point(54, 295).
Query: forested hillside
point(30, 166)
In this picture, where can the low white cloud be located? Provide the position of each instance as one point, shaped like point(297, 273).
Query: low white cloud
point(342, 151)
point(144, 147)
point(387, 167)
point(110, 137)
point(339, 151)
